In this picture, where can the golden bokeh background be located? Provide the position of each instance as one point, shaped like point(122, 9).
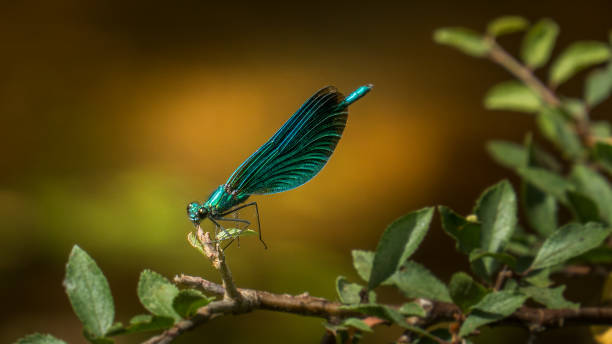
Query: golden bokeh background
point(115, 114)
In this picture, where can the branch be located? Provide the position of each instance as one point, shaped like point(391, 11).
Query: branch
point(217, 258)
point(307, 305)
point(500, 56)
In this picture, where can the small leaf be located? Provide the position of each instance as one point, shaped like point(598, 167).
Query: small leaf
point(540, 210)
point(506, 24)
point(496, 210)
point(499, 256)
point(547, 181)
point(362, 262)
point(397, 244)
point(583, 207)
point(603, 153)
point(233, 233)
point(188, 301)
point(414, 280)
point(577, 57)
point(195, 243)
point(552, 298)
point(156, 294)
point(94, 339)
point(465, 233)
point(569, 241)
point(508, 154)
point(600, 130)
point(512, 95)
point(557, 129)
point(539, 278)
point(350, 293)
point(598, 255)
point(539, 43)
point(598, 86)
point(597, 188)
point(38, 338)
point(147, 322)
point(89, 293)
point(377, 310)
point(466, 40)
point(540, 207)
point(358, 324)
point(464, 291)
point(493, 307)
point(387, 313)
point(412, 309)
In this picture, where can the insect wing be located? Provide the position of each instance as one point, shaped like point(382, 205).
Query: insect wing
point(298, 150)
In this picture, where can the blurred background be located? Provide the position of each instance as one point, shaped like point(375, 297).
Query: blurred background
point(115, 114)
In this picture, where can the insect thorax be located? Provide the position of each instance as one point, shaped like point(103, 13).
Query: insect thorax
point(223, 199)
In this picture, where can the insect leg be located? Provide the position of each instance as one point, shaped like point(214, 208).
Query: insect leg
point(256, 212)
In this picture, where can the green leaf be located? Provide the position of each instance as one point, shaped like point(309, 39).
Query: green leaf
point(501, 257)
point(188, 301)
point(576, 57)
point(598, 255)
point(512, 95)
point(156, 294)
point(539, 43)
point(397, 244)
point(233, 233)
point(600, 130)
point(540, 207)
point(558, 130)
point(464, 291)
point(603, 153)
point(465, 233)
point(508, 154)
point(377, 310)
point(569, 241)
point(350, 293)
point(552, 298)
point(362, 262)
point(598, 86)
point(539, 278)
point(358, 324)
point(89, 293)
point(496, 211)
point(506, 24)
point(493, 307)
point(94, 339)
point(583, 207)
point(195, 243)
point(412, 309)
point(596, 188)
point(387, 313)
point(466, 40)
point(547, 181)
point(147, 322)
point(38, 338)
point(414, 281)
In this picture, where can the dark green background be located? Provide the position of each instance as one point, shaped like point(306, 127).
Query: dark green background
point(115, 114)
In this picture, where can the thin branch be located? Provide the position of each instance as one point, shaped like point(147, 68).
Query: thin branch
point(307, 305)
point(500, 56)
point(217, 257)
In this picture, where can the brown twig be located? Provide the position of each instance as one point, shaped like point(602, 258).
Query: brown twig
point(305, 304)
point(217, 257)
point(500, 56)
